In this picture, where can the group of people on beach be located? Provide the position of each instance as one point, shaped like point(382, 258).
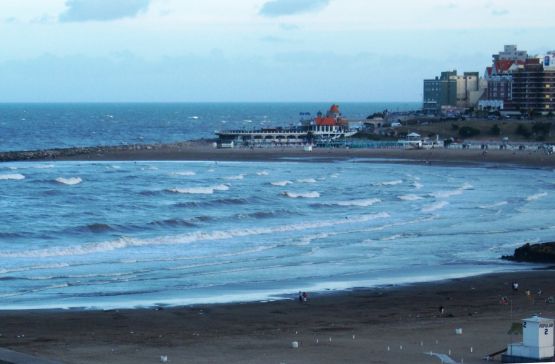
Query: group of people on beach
point(303, 297)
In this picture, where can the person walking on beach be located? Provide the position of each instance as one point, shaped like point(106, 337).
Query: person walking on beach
point(305, 297)
point(300, 297)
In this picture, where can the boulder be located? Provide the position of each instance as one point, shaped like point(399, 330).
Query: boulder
point(534, 253)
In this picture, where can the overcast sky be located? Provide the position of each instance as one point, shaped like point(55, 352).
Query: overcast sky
point(253, 50)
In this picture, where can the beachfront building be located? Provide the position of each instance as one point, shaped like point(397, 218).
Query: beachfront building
point(452, 90)
point(533, 87)
point(439, 92)
point(499, 77)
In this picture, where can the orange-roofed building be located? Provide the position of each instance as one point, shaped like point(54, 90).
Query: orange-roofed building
point(333, 118)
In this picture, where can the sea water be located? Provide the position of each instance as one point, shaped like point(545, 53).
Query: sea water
point(42, 126)
point(128, 234)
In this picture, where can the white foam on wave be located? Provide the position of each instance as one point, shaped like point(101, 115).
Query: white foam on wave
point(417, 185)
point(392, 237)
point(447, 194)
point(189, 238)
point(494, 205)
point(536, 197)
point(200, 190)
point(312, 194)
point(185, 173)
point(33, 267)
point(12, 177)
point(281, 183)
point(43, 166)
point(390, 183)
point(359, 203)
point(435, 206)
point(410, 198)
point(72, 181)
point(263, 173)
point(307, 180)
point(235, 178)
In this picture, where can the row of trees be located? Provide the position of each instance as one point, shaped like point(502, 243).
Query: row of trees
point(539, 130)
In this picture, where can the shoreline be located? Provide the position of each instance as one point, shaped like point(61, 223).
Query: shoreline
point(204, 151)
point(356, 325)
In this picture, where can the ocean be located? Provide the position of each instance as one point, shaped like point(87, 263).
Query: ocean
point(135, 234)
point(45, 126)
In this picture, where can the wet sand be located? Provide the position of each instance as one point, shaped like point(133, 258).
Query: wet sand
point(204, 151)
point(396, 324)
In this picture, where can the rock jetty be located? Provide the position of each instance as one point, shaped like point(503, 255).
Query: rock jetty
point(85, 153)
point(534, 253)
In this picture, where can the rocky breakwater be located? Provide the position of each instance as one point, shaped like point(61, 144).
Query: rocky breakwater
point(84, 152)
point(534, 253)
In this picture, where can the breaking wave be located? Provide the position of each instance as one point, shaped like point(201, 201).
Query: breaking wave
point(359, 203)
point(123, 243)
point(435, 206)
point(281, 183)
point(312, 194)
point(263, 173)
point(13, 176)
point(235, 178)
point(69, 181)
point(185, 173)
point(495, 205)
point(410, 198)
point(307, 180)
point(447, 194)
point(417, 185)
point(536, 197)
point(390, 183)
point(200, 190)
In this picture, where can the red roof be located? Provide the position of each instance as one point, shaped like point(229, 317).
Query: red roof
point(334, 108)
point(503, 65)
point(326, 121)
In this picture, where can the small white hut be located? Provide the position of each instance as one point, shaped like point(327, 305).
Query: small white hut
point(537, 343)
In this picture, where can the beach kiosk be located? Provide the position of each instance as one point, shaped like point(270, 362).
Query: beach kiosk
point(536, 345)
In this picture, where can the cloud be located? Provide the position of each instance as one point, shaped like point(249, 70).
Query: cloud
point(95, 10)
point(276, 8)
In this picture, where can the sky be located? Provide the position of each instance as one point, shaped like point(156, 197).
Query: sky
point(253, 50)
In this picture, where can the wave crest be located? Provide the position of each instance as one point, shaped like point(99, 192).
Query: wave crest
point(435, 206)
point(536, 197)
point(281, 183)
point(359, 203)
point(12, 177)
point(72, 181)
point(312, 194)
point(123, 243)
point(200, 190)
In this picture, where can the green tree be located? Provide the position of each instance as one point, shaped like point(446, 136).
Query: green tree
point(540, 128)
point(495, 130)
point(468, 132)
point(522, 130)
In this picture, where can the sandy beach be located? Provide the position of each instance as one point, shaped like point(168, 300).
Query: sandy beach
point(396, 324)
point(204, 151)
